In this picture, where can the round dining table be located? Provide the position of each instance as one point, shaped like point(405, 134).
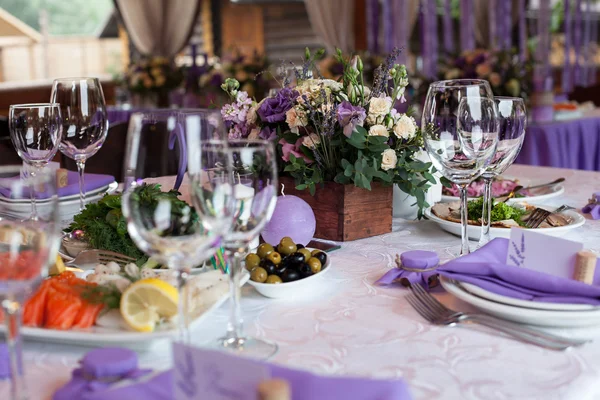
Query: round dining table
point(354, 327)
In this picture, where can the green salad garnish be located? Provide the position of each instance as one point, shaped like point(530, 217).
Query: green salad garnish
point(500, 211)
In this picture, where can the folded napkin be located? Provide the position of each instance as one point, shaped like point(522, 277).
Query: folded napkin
point(92, 181)
point(593, 206)
point(487, 269)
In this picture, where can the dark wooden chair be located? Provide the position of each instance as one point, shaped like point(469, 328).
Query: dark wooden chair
point(583, 94)
point(8, 154)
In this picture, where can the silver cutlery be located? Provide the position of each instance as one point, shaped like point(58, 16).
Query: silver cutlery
point(539, 215)
point(518, 189)
point(93, 257)
point(437, 313)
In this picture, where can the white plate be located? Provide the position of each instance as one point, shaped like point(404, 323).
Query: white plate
point(102, 189)
point(67, 209)
point(474, 231)
point(550, 318)
point(537, 197)
point(301, 288)
point(99, 336)
point(511, 301)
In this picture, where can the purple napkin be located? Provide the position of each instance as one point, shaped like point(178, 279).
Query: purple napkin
point(593, 206)
point(486, 268)
point(92, 181)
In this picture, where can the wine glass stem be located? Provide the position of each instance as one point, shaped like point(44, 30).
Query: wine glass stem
point(183, 325)
point(486, 214)
point(34, 214)
point(235, 328)
point(12, 313)
point(81, 170)
point(464, 220)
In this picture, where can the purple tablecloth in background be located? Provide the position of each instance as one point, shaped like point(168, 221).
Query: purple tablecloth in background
point(563, 144)
point(118, 114)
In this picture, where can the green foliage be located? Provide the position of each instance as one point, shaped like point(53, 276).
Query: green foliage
point(500, 211)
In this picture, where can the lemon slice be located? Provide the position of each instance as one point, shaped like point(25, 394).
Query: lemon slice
point(58, 267)
point(145, 302)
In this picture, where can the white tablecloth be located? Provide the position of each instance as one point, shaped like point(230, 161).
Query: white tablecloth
point(356, 328)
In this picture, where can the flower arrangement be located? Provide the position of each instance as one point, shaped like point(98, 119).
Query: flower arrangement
point(152, 75)
point(248, 71)
point(507, 75)
point(343, 131)
point(331, 68)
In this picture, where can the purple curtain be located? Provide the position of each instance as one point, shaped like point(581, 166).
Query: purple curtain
point(467, 37)
point(522, 32)
point(400, 11)
point(448, 28)
point(577, 42)
point(566, 74)
point(585, 79)
point(493, 24)
point(388, 28)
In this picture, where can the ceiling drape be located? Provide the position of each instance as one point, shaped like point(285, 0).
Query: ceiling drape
point(159, 27)
point(482, 19)
point(333, 22)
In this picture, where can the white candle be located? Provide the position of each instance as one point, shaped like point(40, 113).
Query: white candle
point(244, 195)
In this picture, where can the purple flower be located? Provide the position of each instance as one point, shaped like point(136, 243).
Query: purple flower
point(267, 133)
point(349, 116)
point(273, 109)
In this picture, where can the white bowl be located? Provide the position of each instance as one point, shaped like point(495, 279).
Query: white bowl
point(301, 288)
point(474, 231)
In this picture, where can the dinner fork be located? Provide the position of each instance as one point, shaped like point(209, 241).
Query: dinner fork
point(93, 257)
point(437, 313)
point(539, 215)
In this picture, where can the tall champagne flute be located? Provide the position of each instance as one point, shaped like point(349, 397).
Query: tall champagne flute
point(27, 248)
point(255, 176)
point(185, 236)
point(85, 123)
point(460, 150)
point(35, 131)
point(512, 122)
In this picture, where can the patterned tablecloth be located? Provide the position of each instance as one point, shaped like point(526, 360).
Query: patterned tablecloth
point(356, 328)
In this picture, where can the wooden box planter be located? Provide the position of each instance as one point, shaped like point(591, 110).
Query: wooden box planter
point(345, 212)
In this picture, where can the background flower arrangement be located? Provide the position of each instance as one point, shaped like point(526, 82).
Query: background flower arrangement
point(249, 71)
point(152, 75)
point(337, 131)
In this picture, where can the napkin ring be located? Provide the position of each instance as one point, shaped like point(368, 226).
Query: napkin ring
point(408, 269)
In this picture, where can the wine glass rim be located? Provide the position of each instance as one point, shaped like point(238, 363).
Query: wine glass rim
point(35, 105)
point(512, 98)
point(474, 82)
point(77, 78)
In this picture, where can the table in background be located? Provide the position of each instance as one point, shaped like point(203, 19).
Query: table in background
point(563, 144)
point(357, 328)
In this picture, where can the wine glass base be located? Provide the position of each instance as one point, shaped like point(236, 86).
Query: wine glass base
point(248, 347)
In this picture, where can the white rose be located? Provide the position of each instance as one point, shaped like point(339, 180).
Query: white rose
point(388, 159)
point(379, 107)
point(311, 141)
point(296, 117)
point(378, 130)
point(405, 127)
point(251, 116)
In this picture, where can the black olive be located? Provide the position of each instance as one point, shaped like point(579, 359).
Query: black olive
point(305, 270)
point(267, 264)
point(299, 246)
point(321, 257)
point(290, 275)
point(296, 258)
point(270, 268)
point(280, 269)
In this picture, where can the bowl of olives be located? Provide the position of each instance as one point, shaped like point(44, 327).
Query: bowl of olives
point(286, 269)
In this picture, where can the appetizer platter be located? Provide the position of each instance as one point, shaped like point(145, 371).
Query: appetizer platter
point(287, 269)
point(504, 216)
point(502, 186)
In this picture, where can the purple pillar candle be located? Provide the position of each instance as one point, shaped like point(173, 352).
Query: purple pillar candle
point(292, 217)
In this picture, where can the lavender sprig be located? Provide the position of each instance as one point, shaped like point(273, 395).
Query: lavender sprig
point(382, 73)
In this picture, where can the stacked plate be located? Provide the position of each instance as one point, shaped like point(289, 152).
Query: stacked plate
point(68, 205)
point(558, 315)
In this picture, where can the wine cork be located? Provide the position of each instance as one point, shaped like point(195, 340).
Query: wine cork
point(585, 266)
point(62, 179)
point(274, 389)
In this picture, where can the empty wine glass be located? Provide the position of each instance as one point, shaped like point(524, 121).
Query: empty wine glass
point(255, 176)
point(174, 233)
point(27, 248)
point(512, 122)
point(459, 126)
point(35, 131)
point(85, 124)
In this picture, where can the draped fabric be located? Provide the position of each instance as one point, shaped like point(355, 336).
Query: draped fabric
point(333, 22)
point(482, 19)
point(159, 27)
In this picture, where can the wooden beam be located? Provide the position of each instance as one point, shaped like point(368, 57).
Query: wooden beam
point(243, 28)
point(360, 25)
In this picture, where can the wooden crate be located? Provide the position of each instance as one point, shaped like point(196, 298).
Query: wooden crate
point(345, 212)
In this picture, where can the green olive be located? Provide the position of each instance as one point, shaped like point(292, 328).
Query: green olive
point(258, 274)
point(315, 264)
point(306, 253)
point(252, 261)
point(287, 240)
point(315, 252)
point(275, 257)
point(273, 279)
point(287, 248)
point(264, 250)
